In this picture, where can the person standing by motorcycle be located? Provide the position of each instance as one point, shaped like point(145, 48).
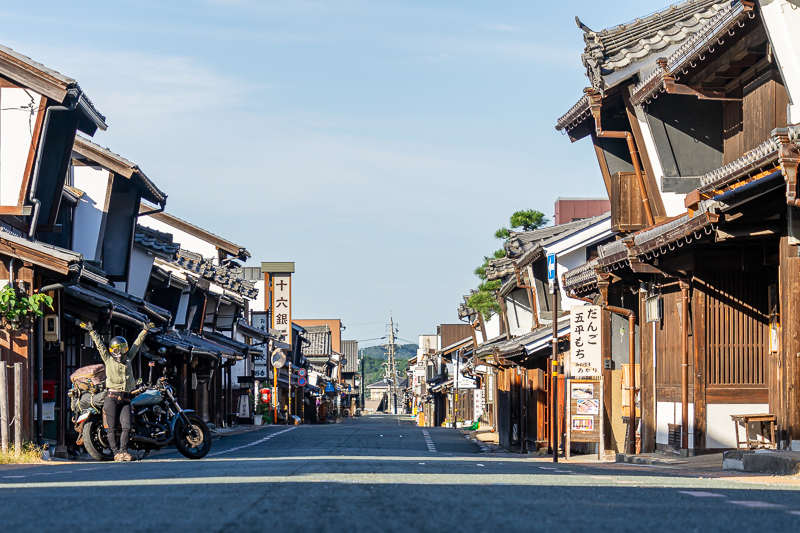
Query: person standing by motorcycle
point(119, 384)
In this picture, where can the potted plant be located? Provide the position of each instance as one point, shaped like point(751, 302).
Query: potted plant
point(17, 309)
point(263, 409)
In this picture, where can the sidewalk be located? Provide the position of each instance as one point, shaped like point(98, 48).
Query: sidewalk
point(710, 462)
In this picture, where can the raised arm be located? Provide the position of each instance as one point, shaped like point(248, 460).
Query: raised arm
point(139, 340)
point(98, 342)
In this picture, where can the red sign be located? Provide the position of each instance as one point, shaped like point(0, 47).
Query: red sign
point(301, 382)
point(49, 389)
point(301, 372)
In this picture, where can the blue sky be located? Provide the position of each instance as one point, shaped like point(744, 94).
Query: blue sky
point(378, 144)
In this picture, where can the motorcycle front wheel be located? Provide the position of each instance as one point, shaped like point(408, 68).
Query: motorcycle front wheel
point(192, 440)
point(96, 442)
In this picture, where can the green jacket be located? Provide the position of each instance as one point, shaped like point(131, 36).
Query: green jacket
point(119, 375)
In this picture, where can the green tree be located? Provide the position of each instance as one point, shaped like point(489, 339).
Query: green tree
point(484, 300)
point(525, 220)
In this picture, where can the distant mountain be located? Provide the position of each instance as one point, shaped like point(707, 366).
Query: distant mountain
point(402, 351)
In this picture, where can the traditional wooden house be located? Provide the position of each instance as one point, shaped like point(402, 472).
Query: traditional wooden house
point(41, 112)
point(514, 365)
point(209, 339)
point(711, 281)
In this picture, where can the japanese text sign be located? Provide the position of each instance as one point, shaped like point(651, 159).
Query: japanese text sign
point(282, 305)
point(585, 357)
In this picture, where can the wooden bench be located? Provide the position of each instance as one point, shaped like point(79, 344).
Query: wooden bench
point(746, 420)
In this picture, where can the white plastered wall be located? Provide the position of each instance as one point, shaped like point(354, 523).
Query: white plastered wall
point(670, 413)
point(140, 269)
point(17, 119)
point(782, 21)
point(257, 304)
point(92, 209)
point(520, 317)
point(719, 426)
point(492, 327)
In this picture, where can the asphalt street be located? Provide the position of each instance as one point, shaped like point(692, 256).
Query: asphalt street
point(380, 473)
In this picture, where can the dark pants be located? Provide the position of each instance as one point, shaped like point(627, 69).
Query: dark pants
point(117, 411)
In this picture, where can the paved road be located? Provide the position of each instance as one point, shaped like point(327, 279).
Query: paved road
point(379, 473)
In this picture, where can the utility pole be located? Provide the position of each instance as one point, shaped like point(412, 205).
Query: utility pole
point(392, 369)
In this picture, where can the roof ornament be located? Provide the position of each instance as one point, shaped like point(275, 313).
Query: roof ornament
point(582, 26)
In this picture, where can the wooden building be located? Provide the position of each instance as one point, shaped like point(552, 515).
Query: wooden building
point(700, 165)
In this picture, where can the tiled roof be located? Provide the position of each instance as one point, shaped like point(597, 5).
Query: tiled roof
point(752, 160)
point(724, 23)
point(580, 277)
point(616, 48)
point(521, 244)
point(155, 241)
point(575, 115)
point(227, 277)
point(319, 341)
point(499, 268)
point(350, 352)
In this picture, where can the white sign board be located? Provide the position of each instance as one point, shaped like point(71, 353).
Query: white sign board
point(585, 356)
point(259, 320)
point(260, 372)
point(477, 398)
point(244, 407)
point(282, 305)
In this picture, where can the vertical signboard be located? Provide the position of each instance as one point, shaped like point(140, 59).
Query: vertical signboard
point(282, 304)
point(585, 410)
point(586, 356)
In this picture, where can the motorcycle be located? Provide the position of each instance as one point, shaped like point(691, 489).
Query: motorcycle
point(158, 421)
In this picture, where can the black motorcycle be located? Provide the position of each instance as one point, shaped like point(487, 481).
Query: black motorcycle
point(158, 421)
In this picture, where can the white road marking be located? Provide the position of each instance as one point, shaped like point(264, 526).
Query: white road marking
point(428, 441)
point(16, 477)
point(480, 464)
point(755, 504)
point(797, 513)
point(548, 468)
point(701, 494)
point(265, 439)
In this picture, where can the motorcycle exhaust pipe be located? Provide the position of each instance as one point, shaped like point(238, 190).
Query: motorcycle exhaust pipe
point(146, 440)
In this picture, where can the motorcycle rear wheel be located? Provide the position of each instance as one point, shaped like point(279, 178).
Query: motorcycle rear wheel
point(193, 441)
point(95, 441)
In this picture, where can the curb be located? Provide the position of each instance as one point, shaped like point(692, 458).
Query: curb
point(644, 460)
point(762, 462)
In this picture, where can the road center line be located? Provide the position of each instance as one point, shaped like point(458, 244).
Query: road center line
point(428, 441)
point(265, 439)
point(701, 494)
point(755, 504)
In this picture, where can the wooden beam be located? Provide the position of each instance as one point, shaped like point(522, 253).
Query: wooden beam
point(82, 147)
point(31, 77)
point(37, 130)
point(601, 160)
point(20, 211)
point(34, 256)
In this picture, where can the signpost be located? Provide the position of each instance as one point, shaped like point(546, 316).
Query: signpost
point(585, 413)
point(551, 271)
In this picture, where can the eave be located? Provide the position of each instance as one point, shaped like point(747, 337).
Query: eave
point(721, 26)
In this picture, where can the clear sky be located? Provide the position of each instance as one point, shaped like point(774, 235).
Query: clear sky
point(378, 144)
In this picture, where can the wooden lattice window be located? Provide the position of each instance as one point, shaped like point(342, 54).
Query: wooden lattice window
point(737, 328)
